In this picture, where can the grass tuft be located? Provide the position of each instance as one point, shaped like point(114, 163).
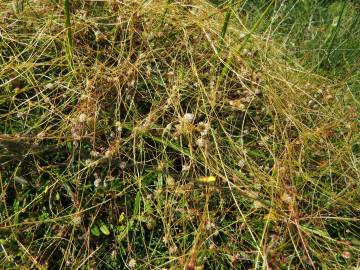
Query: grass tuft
point(179, 135)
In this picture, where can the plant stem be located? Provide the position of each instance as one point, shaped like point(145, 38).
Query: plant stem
point(69, 39)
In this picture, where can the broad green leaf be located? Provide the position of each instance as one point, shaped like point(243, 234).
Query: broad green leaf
point(104, 229)
point(95, 231)
point(137, 203)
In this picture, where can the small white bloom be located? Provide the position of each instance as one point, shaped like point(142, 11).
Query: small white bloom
point(185, 167)
point(75, 136)
point(122, 165)
point(201, 142)
point(209, 226)
point(40, 135)
point(167, 128)
point(82, 118)
point(132, 263)
point(258, 205)
point(49, 86)
point(173, 249)
point(148, 70)
point(287, 198)
point(88, 162)
point(189, 117)
point(94, 153)
point(97, 182)
point(108, 154)
point(204, 128)
point(241, 163)
point(97, 34)
point(245, 52)
point(118, 126)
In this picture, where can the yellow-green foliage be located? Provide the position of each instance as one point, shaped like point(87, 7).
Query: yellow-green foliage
point(142, 152)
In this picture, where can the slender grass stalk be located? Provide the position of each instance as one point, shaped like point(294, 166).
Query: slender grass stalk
point(68, 39)
point(226, 21)
point(225, 69)
point(223, 31)
point(333, 36)
point(163, 16)
point(19, 5)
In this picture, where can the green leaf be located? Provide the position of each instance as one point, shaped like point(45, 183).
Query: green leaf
point(122, 232)
point(104, 229)
point(160, 181)
point(95, 231)
point(137, 203)
point(122, 217)
point(319, 232)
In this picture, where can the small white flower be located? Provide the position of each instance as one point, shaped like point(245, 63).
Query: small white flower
point(258, 205)
point(185, 167)
point(257, 91)
point(204, 128)
point(118, 126)
point(131, 83)
point(132, 263)
point(97, 182)
point(165, 239)
point(208, 226)
point(287, 198)
point(75, 136)
point(245, 52)
point(40, 135)
point(167, 128)
point(201, 142)
point(241, 163)
point(237, 105)
point(88, 162)
point(148, 70)
point(82, 118)
point(173, 249)
point(108, 154)
point(49, 86)
point(122, 165)
point(189, 117)
point(94, 153)
point(97, 34)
